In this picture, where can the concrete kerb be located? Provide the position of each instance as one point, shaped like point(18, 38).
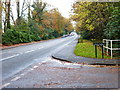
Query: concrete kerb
point(61, 59)
point(54, 57)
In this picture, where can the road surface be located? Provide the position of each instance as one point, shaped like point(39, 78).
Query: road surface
point(18, 58)
point(31, 66)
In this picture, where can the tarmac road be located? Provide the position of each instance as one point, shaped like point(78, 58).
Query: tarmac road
point(16, 59)
point(31, 66)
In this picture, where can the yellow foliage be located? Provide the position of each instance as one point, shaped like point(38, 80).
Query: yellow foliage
point(41, 27)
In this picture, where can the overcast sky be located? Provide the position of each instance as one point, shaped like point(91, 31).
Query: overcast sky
point(64, 6)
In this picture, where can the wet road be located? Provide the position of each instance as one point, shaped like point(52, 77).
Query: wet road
point(16, 59)
point(51, 73)
point(31, 66)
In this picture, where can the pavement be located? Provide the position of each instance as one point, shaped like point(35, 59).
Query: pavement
point(67, 54)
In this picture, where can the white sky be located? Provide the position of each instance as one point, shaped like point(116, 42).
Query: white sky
point(64, 6)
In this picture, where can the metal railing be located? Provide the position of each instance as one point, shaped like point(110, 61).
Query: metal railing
point(110, 47)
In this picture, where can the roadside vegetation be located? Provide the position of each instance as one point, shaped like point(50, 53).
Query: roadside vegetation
point(34, 22)
point(86, 49)
point(96, 21)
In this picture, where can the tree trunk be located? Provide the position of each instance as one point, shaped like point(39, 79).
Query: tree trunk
point(8, 14)
point(29, 12)
point(18, 9)
point(18, 12)
point(0, 15)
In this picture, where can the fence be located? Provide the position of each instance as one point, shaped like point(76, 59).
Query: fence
point(109, 46)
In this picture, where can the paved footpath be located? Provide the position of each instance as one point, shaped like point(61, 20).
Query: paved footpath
point(67, 54)
point(51, 73)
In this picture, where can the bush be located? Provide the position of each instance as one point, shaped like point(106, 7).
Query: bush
point(14, 37)
point(80, 40)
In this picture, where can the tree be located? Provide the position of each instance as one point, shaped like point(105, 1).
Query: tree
point(20, 12)
point(91, 16)
point(38, 12)
point(112, 29)
point(0, 22)
point(0, 15)
point(37, 17)
point(8, 14)
point(18, 8)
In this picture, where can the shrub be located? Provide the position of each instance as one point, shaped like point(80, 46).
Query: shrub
point(14, 37)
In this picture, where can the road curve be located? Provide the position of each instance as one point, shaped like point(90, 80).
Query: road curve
point(16, 59)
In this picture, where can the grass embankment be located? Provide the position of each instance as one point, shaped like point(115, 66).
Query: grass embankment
point(87, 49)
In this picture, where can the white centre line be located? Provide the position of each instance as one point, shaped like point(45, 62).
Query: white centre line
point(22, 74)
point(9, 57)
point(16, 55)
point(29, 51)
point(16, 78)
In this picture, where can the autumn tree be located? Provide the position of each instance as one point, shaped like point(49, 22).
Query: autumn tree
point(35, 24)
point(91, 17)
point(68, 25)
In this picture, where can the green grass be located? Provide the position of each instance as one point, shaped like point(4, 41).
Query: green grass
point(87, 49)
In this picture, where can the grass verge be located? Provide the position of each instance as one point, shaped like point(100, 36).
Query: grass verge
point(87, 49)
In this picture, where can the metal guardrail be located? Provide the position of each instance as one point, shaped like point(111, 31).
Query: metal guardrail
point(106, 41)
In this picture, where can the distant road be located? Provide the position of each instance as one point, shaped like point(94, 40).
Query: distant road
point(18, 58)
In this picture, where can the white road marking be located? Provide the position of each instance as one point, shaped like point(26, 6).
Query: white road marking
point(22, 74)
point(31, 69)
point(44, 61)
point(29, 51)
point(5, 85)
point(15, 79)
point(35, 66)
point(9, 57)
point(16, 55)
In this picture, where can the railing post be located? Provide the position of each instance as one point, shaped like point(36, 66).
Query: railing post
point(107, 46)
point(111, 49)
point(103, 46)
